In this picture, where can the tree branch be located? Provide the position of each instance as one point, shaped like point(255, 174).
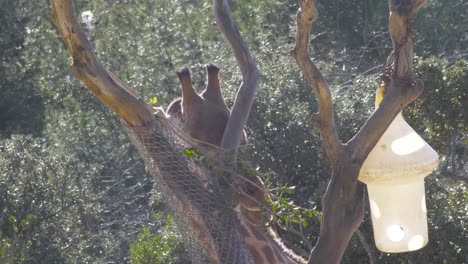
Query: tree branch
point(454, 176)
point(343, 203)
point(450, 160)
point(370, 251)
point(403, 87)
point(400, 94)
point(324, 119)
point(86, 67)
point(250, 77)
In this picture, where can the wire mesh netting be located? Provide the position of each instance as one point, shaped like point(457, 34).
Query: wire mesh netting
point(202, 209)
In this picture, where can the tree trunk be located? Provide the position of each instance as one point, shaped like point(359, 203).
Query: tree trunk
point(343, 202)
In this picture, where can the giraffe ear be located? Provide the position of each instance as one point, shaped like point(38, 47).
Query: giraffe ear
point(189, 95)
point(212, 93)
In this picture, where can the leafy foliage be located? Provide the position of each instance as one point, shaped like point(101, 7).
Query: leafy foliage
point(164, 247)
point(72, 189)
point(442, 113)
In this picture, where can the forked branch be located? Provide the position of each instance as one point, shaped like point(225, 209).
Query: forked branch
point(87, 68)
point(250, 77)
point(343, 202)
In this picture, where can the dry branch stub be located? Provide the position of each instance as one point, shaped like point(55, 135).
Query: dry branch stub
point(201, 211)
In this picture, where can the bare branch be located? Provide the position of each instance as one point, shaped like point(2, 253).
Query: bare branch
point(401, 32)
point(400, 94)
point(455, 176)
point(300, 233)
point(343, 203)
point(324, 119)
point(230, 31)
point(450, 160)
point(250, 73)
point(406, 8)
point(403, 87)
point(86, 67)
point(370, 251)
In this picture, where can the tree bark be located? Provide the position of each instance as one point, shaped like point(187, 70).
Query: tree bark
point(250, 79)
point(343, 203)
point(87, 68)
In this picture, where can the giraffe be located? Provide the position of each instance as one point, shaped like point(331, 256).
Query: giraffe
point(204, 117)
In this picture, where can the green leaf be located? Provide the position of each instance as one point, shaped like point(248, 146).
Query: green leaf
point(190, 151)
point(275, 208)
point(12, 218)
point(153, 100)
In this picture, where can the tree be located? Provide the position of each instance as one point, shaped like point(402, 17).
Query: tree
point(343, 203)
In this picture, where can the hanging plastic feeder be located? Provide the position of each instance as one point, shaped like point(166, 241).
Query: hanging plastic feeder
point(394, 173)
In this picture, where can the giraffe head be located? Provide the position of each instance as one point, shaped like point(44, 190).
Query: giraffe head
point(203, 116)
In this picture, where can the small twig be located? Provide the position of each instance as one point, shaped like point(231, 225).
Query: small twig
point(370, 251)
point(300, 234)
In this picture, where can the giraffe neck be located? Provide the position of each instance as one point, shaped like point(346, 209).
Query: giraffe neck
point(264, 245)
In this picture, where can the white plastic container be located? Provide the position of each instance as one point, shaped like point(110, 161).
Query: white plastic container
point(394, 173)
